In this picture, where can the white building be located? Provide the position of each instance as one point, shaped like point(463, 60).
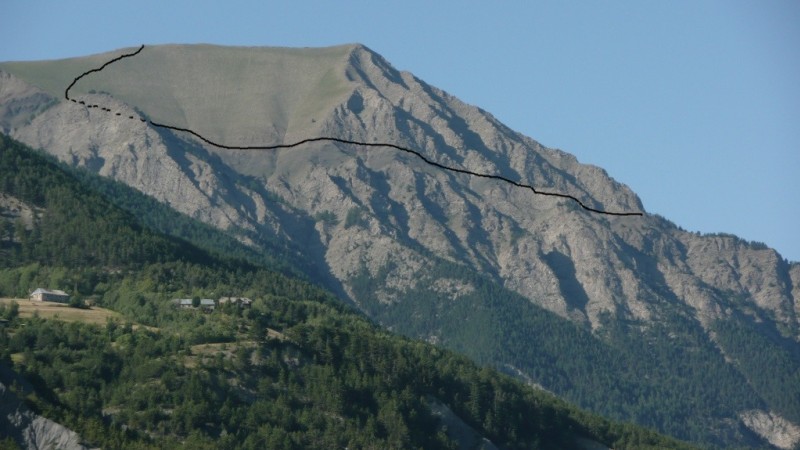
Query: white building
point(241, 302)
point(49, 295)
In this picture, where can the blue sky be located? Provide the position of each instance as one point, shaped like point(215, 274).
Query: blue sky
point(694, 104)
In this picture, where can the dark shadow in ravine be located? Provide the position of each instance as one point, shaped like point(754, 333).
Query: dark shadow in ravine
point(568, 283)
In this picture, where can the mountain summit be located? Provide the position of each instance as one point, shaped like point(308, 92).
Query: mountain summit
point(629, 316)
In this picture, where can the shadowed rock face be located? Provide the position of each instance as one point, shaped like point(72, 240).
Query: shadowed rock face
point(27, 428)
point(380, 213)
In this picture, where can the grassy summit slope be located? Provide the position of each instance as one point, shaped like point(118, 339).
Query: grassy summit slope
point(224, 93)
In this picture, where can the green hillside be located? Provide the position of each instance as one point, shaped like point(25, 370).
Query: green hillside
point(296, 370)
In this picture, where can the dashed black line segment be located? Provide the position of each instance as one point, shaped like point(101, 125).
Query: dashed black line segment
point(334, 139)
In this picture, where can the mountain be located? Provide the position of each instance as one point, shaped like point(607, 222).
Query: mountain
point(292, 369)
point(629, 316)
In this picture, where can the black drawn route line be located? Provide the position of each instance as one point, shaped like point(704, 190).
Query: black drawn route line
point(334, 139)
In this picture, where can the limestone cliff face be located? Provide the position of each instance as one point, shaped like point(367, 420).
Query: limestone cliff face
point(133, 153)
point(381, 212)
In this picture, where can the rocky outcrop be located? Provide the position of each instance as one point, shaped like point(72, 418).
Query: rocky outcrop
point(456, 429)
point(778, 431)
point(20, 102)
point(13, 209)
point(30, 430)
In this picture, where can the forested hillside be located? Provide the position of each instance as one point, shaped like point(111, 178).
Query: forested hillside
point(624, 360)
point(296, 370)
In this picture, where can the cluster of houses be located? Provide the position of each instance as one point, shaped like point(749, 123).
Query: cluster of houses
point(49, 295)
point(208, 304)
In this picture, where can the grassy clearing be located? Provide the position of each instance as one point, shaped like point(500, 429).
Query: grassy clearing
point(60, 311)
point(205, 353)
point(274, 334)
point(202, 354)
